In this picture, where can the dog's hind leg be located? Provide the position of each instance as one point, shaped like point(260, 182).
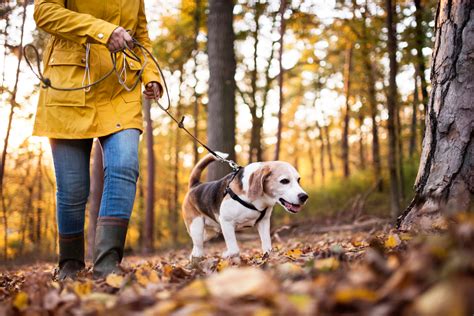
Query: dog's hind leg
point(196, 231)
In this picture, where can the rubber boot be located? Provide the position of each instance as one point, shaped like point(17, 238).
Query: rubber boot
point(71, 255)
point(109, 243)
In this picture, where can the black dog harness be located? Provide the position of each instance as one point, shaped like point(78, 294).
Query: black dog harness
point(235, 197)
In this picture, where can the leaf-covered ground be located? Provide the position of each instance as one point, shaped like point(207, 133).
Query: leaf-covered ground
point(376, 271)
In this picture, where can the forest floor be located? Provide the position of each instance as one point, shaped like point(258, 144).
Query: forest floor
point(363, 268)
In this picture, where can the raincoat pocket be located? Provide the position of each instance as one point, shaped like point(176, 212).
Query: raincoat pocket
point(66, 69)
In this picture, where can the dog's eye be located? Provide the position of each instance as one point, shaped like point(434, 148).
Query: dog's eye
point(284, 181)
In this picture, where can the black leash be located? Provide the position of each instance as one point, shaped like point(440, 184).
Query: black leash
point(131, 54)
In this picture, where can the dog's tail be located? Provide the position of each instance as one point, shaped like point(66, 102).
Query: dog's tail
point(195, 177)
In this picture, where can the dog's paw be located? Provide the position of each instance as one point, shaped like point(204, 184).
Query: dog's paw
point(230, 254)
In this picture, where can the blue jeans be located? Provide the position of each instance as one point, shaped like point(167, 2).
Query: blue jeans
point(71, 163)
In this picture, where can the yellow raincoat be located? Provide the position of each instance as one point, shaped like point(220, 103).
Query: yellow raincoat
point(107, 107)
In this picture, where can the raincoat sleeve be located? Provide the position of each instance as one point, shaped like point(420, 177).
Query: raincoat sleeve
point(52, 17)
point(150, 72)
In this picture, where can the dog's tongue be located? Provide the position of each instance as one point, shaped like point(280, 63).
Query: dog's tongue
point(293, 207)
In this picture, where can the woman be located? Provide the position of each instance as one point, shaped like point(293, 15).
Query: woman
point(84, 32)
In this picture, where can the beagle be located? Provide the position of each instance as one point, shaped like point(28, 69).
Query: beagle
point(238, 200)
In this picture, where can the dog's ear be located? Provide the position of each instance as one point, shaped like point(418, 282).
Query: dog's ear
point(257, 182)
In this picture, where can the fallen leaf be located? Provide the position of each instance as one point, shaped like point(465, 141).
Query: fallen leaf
point(327, 264)
point(347, 295)
point(246, 281)
point(145, 276)
point(392, 241)
point(114, 280)
point(21, 300)
point(294, 254)
point(82, 288)
point(196, 290)
point(221, 265)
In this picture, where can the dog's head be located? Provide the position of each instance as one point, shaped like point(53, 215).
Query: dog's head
point(279, 182)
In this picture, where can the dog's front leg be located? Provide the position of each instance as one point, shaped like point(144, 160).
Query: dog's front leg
point(263, 228)
point(228, 230)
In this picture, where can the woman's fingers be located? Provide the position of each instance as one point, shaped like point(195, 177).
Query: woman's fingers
point(118, 39)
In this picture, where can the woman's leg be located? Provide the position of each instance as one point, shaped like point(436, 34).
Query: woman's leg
point(120, 180)
point(71, 164)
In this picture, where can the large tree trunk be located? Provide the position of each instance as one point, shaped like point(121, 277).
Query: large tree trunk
point(280, 80)
point(95, 196)
point(221, 107)
point(150, 187)
point(392, 113)
point(445, 181)
point(347, 112)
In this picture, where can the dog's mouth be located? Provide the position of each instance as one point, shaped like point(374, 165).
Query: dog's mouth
point(290, 207)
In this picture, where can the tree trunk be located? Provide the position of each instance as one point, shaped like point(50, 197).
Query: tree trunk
point(392, 113)
point(95, 196)
point(420, 59)
point(311, 156)
point(361, 142)
point(280, 80)
point(7, 136)
point(197, 25)
point(401, 172)
point(150, 186)
point(328, 145)
point(413, 125)
point(372, 99)
point(177, 147)
point(221, 107)
point(347, 112)
point(321, 153)
point(445, 180)
point(39, 207)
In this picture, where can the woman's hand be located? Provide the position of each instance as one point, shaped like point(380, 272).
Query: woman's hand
point(153, 90)
point(118, 39)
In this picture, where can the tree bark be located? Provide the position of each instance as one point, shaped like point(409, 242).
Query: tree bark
point(392, 112)
point(347, 112)
point(445, 180)
point(280, 80)
point(95, 196)
point(221, 107)
point(150, 196)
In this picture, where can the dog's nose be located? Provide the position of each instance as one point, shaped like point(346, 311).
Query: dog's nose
point(303, 197)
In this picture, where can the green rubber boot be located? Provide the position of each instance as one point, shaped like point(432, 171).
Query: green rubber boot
point(109, 243)
point(71, 255)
